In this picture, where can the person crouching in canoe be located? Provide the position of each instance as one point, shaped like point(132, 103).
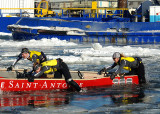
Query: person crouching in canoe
point(57, 66)
point(34, 56)
point(133, 65)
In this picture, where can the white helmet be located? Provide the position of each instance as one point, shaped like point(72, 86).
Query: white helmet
point(116, 55)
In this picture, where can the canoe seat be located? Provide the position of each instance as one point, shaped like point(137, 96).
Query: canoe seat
point(8, 74)
point(74, 74)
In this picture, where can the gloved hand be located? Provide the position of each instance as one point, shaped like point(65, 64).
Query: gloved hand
point(30, 78)
point(10, 68)
point(113, 76)
point(102, 70)
point(29, 75)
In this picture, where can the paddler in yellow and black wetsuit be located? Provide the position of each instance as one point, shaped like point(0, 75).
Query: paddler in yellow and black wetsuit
point(133, 65)
point(34, 56)
point(58, 67)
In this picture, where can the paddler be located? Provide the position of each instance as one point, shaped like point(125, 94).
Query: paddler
point(133, 64)
point(59, 68)
point(34, 56)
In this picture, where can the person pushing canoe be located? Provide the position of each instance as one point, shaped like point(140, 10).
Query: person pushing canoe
point(59, 67)
point(34, 56)
point(133, 64)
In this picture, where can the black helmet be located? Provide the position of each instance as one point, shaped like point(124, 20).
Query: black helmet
point(25, 50)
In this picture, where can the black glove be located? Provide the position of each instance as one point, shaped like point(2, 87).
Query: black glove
point(30, 78)
point(28, 74)
point(113, 76)
point(10, 68)
point(19, 74)
point(102, 70)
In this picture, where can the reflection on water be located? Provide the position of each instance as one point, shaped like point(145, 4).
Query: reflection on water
point(128, 98)
point(34, 99)
point(89, 100)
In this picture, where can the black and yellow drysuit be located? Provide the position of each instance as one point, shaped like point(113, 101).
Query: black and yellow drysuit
point(58, 67)
point(34, 56)
point(133, 65)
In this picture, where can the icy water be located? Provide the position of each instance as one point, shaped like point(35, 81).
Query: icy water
point(104, 100)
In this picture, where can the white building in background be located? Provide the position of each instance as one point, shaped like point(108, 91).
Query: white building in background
point(17, 4)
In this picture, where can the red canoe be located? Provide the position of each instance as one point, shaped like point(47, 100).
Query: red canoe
point(9, 82)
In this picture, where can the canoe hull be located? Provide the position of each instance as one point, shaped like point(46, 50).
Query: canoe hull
point(52, 84)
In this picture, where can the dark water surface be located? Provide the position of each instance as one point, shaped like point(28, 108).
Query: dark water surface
point(104, 100)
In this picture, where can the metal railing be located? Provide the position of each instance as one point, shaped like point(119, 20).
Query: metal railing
point(19, 12)
point(105, 10)
point(22, 12)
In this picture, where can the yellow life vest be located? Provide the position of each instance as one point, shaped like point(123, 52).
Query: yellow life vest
point(32, 53)
point(52, 63)
point(130, 59)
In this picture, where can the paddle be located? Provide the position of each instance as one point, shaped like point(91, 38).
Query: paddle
point(80, 75)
